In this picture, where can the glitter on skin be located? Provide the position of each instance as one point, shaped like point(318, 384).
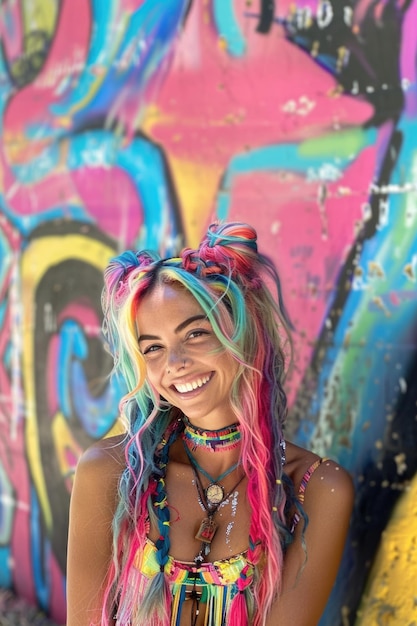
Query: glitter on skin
point(228, 531)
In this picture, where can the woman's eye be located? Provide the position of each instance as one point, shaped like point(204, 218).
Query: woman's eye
point(151, 349)
point(197, 333)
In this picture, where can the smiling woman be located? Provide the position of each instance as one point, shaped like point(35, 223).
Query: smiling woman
point(186, 363)
point(203, 514)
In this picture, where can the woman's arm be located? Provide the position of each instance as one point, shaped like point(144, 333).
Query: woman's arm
point(309, 574)
point(93, 502)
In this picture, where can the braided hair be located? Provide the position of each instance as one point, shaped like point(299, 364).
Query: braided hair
point(239, 290)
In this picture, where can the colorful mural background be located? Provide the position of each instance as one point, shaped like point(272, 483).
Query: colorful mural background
point(134, 123)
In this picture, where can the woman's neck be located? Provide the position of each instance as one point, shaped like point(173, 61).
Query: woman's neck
point(206, 440)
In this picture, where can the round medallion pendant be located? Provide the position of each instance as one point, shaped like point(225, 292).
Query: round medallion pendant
point(214, 494)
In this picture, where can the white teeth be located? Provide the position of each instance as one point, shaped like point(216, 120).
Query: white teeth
point(184, 388)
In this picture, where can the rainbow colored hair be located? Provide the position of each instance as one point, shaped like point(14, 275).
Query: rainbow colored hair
point(229, 279)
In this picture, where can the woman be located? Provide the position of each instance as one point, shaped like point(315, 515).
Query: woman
point(202, 514)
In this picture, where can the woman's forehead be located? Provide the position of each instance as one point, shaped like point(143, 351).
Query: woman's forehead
point(165, 298)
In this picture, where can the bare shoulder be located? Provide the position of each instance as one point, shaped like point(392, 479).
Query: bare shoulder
point(106, 455)
point(325, 477)
point(99, 469)
point(331, 476)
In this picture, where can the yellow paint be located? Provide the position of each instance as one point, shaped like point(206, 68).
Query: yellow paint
point(64, 442)
point(197, 186)
point(222, 43)
point(375, 269)
point(38, 257)
point(153, 116)
point(196, 183)
point(118, 428)
point(390, 598)
point(40, 15)
point(409, 271)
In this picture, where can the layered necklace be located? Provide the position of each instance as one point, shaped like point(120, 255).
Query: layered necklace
point(211, 498)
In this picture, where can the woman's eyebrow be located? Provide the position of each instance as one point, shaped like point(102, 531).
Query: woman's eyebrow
point(178, 329)
point(190, 320)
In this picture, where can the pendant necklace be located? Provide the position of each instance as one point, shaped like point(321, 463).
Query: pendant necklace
point(214, 493)
point(208, 527)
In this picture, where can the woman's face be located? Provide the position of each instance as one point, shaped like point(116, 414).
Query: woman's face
point(186, 363)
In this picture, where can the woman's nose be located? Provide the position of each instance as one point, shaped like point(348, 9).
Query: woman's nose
point(176, 360)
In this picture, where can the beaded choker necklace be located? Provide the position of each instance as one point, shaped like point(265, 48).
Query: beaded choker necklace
point(210, 440)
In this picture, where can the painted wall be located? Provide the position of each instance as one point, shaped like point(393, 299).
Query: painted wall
point(134, 123)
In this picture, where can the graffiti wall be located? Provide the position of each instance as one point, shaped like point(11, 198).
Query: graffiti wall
point(134, 123)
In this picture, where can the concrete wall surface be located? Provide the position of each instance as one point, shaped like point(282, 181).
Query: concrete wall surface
point(135, 123)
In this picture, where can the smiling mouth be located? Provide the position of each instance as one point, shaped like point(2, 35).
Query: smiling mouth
point(192, 386)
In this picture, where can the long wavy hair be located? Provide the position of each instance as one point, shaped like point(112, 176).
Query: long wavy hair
point(239, 290)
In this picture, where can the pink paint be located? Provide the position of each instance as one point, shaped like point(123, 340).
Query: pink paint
point(11, 31)
point(20, 543)
point(131, 5)
point(394, 298)
point(309, 244)
point(54, 190)
point(81, 313)
point(65, 52)
point(110, 197)
point(57, 606)
point(6, 401)
point(93, 190)
point(92, 327)
point(224, 106)
point(52, 368)
point(233, 128)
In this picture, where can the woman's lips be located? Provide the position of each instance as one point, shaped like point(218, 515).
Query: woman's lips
point(193, 385)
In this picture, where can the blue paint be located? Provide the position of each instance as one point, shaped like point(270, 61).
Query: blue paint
point(7, 507)
point(102, 41)
point(39, 553)
point(287, 157)
point(5, 87)
point(72, 345)
point(96, 414)
point(144, 164)
point(5, 253)
point(6, 579)
point(25, 224)
point(40, 167)
point(142, 161)
point(228, 27)
point(149, 33)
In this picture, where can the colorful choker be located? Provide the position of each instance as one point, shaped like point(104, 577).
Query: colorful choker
point(211, 440)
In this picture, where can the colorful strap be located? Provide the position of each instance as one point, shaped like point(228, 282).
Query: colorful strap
point(306, 478)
